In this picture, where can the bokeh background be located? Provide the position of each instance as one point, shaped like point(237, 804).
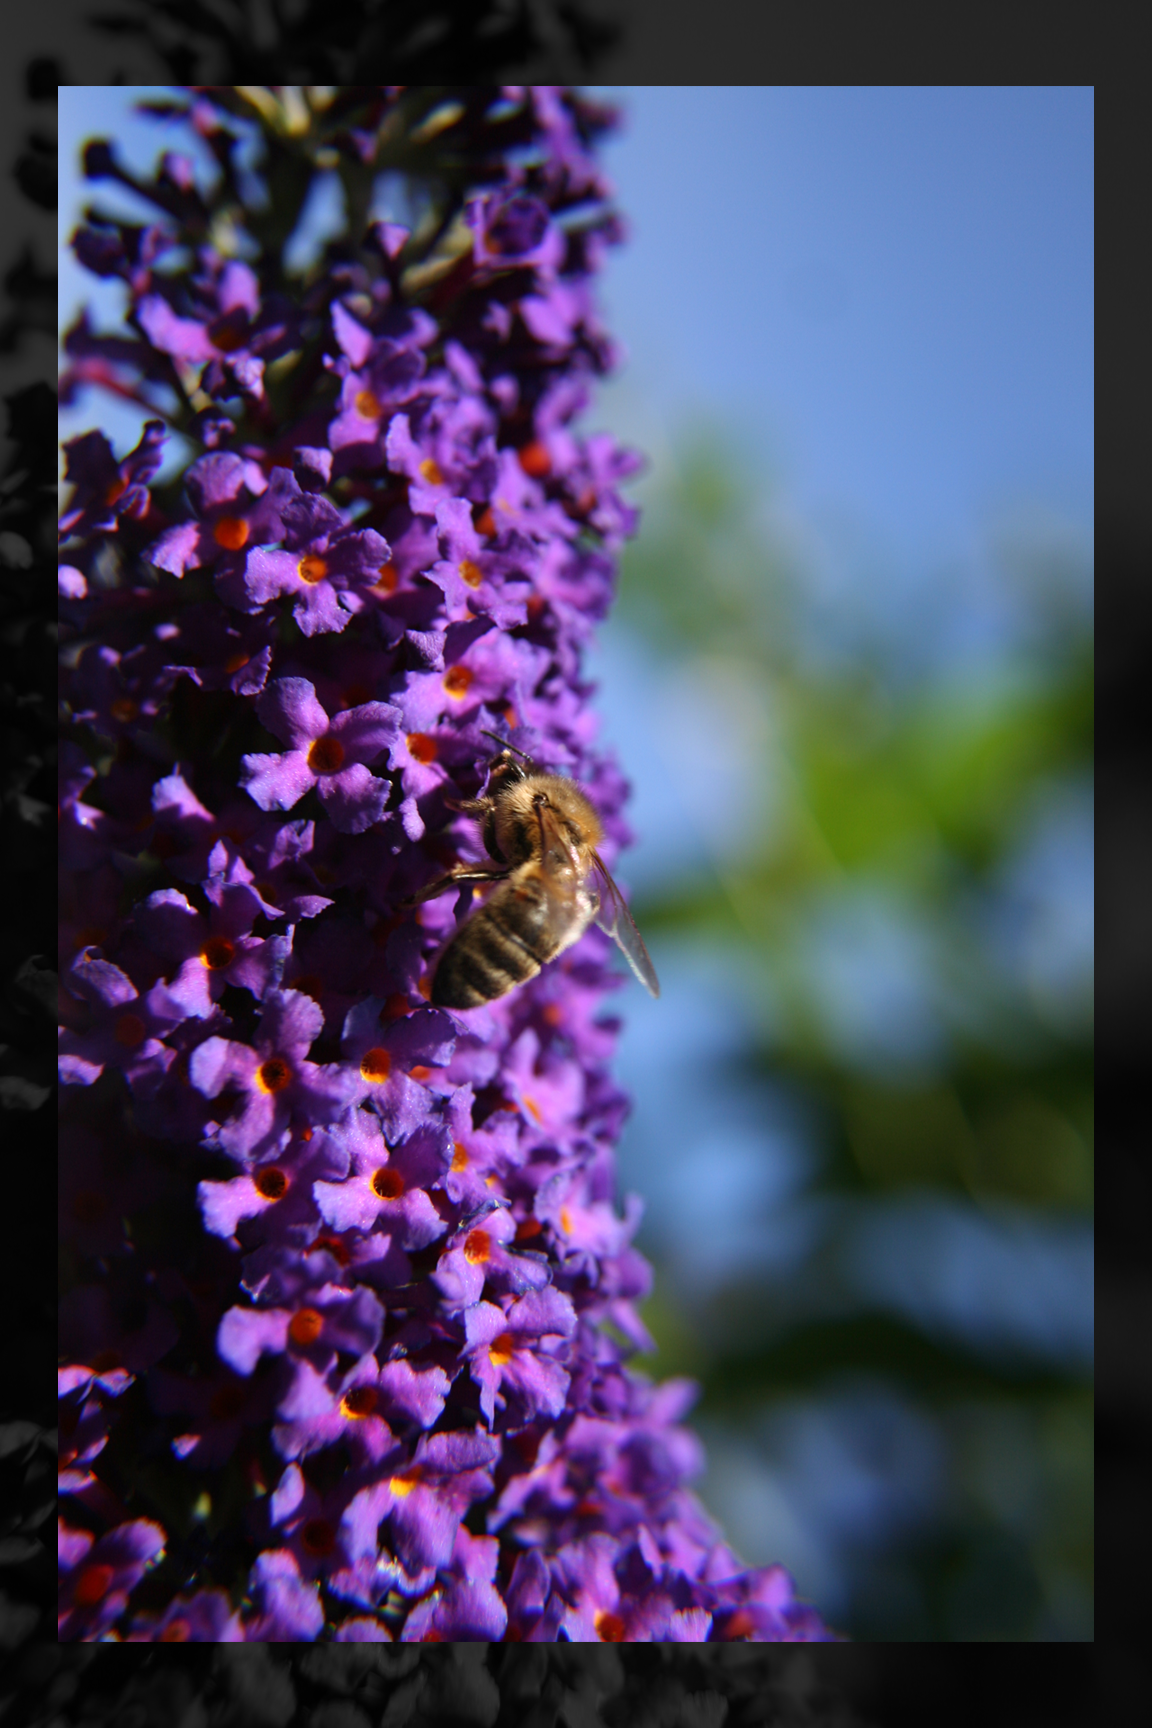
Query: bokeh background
point(849, 677)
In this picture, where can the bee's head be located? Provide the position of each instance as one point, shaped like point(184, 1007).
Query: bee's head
point(508, 766)
point(505, 770)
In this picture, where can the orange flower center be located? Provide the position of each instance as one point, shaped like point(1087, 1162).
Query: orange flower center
point(177, 1631)
point(457, 680)
point(270, 1183)
point(387, 1184)
point(368, 406)
point(459, 1156)
point(273, 1075)
point(231, 532)
point(421, 747)
point(325, 755)
point(386, 581)
point(535, 460)
point(375, 1065)
point(486, 522)
point(358, 1402)
point(430, 470)
point(609, 1627)
point(477, 1247)
point(305, 1326)
point(501, 1349)
point(217, 952)
point(403, 1484)
point(470, 574)
point(312, 569)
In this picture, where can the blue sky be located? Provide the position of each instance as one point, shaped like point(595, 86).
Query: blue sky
point(886, 292)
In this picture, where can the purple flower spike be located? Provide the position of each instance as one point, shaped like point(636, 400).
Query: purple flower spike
point(347, 1269)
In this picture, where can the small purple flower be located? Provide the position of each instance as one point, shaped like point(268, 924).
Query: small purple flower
point(519, 1349)
point(386, 1187)
point(478, 1257)
point(326, 1320)
point(106, 489)
point(379, 374)
point(328, 753)
point(234, 505)
point(514, 231)
point(280, 1194)
point(355, 1407)
point(762, 1606)
point(465, 1607)
point(476, 581)
point(451, 453)
point(123, 1029)
point(395, 1053)
point(273, 1082)
point(212, 952)
point(98, 1574)
point(425, 1498)
point(228, 335)
point(322, 562)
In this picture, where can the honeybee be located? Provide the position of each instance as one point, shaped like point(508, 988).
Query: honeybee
point(542, 833)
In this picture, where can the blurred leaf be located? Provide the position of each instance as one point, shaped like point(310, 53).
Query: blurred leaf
point(911, 793)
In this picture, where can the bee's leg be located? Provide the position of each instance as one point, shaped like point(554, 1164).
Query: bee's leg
point(453, 880)
point(469, 806)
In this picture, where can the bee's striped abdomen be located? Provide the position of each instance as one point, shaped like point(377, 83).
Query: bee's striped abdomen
point(502, 945)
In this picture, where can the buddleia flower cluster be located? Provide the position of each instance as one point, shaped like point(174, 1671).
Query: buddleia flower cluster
point(350, 1303)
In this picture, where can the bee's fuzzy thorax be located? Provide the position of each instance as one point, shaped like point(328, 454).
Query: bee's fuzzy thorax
point(515, 806)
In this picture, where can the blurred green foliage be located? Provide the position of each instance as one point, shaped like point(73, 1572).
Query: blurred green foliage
point(882, 770)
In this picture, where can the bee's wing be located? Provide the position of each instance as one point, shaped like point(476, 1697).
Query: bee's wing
point(615, 918)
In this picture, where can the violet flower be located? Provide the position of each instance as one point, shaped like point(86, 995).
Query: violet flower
point(329, 754)
point(362, 1278)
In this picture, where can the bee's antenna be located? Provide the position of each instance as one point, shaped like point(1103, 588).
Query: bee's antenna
point(504, 744)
